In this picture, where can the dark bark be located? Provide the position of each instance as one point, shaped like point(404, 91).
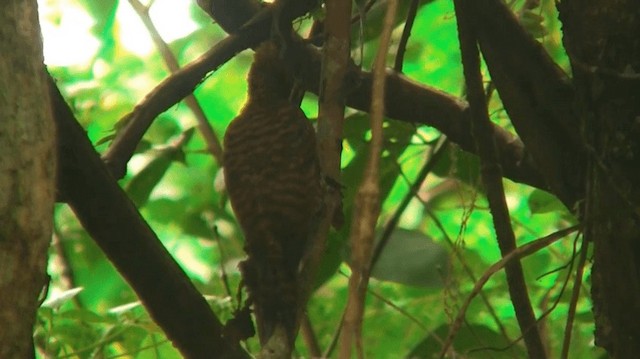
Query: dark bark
point(491, 174)
point(601, 38)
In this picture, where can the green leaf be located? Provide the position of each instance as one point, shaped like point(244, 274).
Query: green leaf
point(143, 183)
point(125, 308)
point(412, 258)
point(544, 202)
point(57, 300)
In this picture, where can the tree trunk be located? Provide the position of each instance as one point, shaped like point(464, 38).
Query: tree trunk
point(27, 173)
point(601, 38)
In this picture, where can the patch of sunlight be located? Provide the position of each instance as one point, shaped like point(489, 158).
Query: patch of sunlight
point(171, 18)
point(66, 32)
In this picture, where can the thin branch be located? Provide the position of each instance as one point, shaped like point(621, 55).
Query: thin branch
point(492, 178)
point(223, 260)
point(517, 254)
point(367, 201)
point(575, 295)
point(406, 32)
point(334, 340)
point(209, 135)
point(467, 269)
point(67, 277)
point(404, 204)
point(309, 337)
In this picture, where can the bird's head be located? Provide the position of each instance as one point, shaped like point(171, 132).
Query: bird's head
point(268, 77)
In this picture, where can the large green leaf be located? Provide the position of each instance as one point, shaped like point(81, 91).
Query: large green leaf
point(412, 258)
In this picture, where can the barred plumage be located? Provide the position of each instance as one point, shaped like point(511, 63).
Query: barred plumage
point(273, 179)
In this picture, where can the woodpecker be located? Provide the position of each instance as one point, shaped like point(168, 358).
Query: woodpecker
point(273, 180)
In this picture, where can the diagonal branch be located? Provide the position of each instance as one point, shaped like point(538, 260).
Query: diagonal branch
point(367, 201)
point(517, 254)
point(491, 173)
point(206, 130)
point(117, 227)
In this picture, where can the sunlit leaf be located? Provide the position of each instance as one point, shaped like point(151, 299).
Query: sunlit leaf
point(59, 299)
point(143, 183)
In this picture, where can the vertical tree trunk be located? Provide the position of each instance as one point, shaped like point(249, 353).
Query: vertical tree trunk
point(27, 174)
point(601, 38)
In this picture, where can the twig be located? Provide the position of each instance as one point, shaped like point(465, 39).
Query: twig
point(518, 253)
point(309, 337)
point(67, 278)
point(406, 32)
point(209, 135)
point(492, 178)
point(575, 295)
point(334, 340)
point(367, 202)
point(223, 259)
point(467, 269)
point(365, 9)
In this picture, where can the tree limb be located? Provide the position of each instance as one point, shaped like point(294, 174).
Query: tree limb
point(114, 223)
point(491, 173)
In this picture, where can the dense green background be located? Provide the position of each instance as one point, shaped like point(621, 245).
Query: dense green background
point(104, 62)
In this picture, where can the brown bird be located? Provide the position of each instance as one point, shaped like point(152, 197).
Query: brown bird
point(273, 180)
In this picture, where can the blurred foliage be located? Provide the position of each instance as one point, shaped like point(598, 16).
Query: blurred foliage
point(418, 283)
